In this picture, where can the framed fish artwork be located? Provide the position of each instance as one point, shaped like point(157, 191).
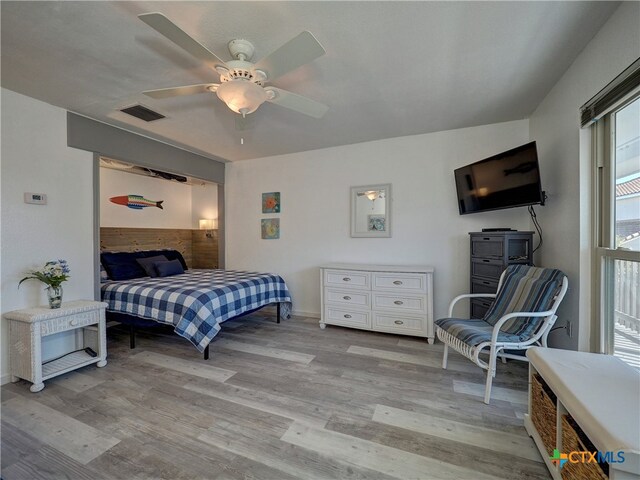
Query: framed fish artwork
point(136, 202)
point(271, 202)
point(270, 228)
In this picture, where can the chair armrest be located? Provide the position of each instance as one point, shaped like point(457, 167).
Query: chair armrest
point(468, 295)
point(509, 316)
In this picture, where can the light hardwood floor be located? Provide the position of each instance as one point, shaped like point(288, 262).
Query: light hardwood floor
point(273, 402)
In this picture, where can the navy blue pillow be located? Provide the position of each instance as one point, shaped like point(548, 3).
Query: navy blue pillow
point(122, 265)
point(148, 264)
point(170, 254)
point(166, 269)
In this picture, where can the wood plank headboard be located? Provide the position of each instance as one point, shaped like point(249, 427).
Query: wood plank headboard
point(197, 250)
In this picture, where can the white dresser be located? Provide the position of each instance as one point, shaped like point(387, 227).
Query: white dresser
point(383, 298)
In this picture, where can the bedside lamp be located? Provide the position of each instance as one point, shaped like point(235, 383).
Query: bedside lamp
point(208, 224)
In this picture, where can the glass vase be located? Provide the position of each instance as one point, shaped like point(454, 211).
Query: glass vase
point(55, 296)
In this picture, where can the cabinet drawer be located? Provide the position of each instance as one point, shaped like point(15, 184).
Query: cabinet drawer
point(407, 282)
point(483, 285)
point(62, 324)
point(486, 267)
point(388, 322)
point(347, 297)
point(400, 303)
point(479, 307)
point(347, 318)
point(487, 247)
point(347, 279)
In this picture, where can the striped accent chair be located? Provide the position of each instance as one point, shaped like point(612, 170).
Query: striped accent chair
point(521, 317)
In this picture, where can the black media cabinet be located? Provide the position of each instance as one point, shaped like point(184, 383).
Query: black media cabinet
point(491, 253)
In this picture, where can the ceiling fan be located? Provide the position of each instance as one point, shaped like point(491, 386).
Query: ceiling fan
point(372, 194)
point(242, 83)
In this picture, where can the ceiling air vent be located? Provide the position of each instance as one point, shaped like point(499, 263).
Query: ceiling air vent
point(143, 113)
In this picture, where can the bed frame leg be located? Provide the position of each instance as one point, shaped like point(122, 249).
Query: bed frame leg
point(206, 353)
point(278, 312)
point(132, 337)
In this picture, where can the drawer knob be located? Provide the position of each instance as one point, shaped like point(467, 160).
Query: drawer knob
point(398, 302)
point(399, 322)
point(347, 298)
point(346, 279)
point(346, 315)
point(397, 282)
point(73, 323)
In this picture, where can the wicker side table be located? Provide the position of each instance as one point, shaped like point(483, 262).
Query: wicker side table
point(27, 327)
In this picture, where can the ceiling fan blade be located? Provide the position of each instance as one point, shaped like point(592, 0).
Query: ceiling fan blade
point(296, 52)
point(179, 91)
point(166, 27)
point(297, 102)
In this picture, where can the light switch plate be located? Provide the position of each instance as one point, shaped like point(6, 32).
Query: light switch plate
point(35, 198)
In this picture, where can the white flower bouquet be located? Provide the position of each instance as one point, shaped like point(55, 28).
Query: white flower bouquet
point(52, 274)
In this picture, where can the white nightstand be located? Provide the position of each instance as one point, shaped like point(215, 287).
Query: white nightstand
point(28, 326)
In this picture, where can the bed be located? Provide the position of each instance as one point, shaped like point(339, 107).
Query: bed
point(195, 302)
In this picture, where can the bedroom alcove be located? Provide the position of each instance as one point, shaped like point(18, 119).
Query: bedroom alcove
point(148, 209)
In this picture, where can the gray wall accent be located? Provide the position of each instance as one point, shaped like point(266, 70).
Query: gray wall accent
point(96, 226)
point(222, 261)
point(87, 134)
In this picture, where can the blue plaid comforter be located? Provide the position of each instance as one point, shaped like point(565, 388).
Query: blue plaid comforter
point(198, 301)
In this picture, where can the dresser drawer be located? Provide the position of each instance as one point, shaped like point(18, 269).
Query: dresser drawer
point(486, 267)
point(406, 282)
point(399, 302)
point(347, 279)
point(487, 247)
point(404, 324)
point(344, 297)
point(480, 306)
point(483, 285)
point(346, 317)
point(62, 324)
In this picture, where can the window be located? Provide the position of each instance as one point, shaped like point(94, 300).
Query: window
point(617, 141)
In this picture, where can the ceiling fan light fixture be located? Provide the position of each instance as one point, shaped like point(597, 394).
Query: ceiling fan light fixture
point(242, 96)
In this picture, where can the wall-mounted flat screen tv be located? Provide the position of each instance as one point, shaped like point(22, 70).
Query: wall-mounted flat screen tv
point(509, 179)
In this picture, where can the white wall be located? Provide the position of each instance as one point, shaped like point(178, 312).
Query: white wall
point(204, 203)
point(566, 165)
point(426, 226)
point(182, 204)
point(35, 158)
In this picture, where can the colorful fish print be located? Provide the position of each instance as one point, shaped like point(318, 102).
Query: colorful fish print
point(137, 202)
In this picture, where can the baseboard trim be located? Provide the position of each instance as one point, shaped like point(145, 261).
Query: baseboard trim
point(299, 313)
point(4, 379)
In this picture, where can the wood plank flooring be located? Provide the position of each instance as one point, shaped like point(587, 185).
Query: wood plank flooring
point(274, 402)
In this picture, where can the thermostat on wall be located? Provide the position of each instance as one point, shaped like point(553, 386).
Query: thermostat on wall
point(35, 198)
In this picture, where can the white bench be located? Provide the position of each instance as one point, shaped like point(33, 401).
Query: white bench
point(602, 395)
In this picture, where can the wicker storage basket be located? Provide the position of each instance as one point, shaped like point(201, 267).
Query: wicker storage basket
point(574, 439)
point(543, 412)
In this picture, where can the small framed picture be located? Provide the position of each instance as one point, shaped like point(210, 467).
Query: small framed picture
point(271, 202)
point(376, 223)
point(270, 228)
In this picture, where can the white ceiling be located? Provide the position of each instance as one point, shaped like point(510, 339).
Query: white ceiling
point(391, 68)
